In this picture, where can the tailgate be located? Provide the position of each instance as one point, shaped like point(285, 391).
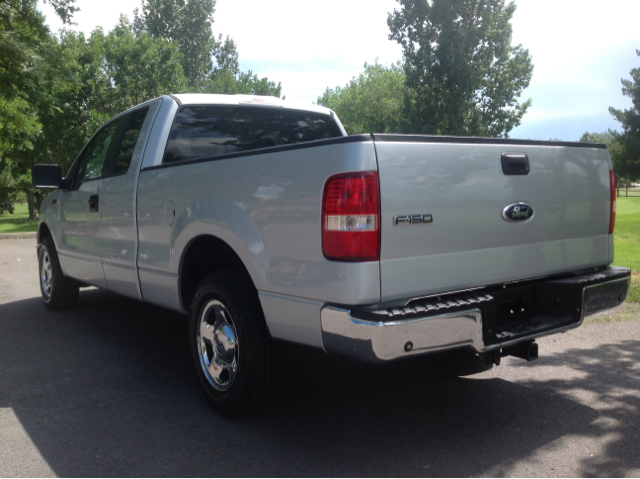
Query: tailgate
point(460, 184)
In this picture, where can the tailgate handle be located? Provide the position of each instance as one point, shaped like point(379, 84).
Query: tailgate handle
point(515, 164)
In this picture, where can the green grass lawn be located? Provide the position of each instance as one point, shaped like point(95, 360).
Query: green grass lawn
point(626, 239)
point(17, 222)
point(627, 233)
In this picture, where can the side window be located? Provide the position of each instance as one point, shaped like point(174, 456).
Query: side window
point(206, 131)
point(128, 144)
point(94, 156)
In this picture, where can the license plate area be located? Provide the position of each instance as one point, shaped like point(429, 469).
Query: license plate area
point(523, 310)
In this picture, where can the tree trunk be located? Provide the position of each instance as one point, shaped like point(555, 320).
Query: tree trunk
point(10, 208)
point(33, 213)
point(39, 197)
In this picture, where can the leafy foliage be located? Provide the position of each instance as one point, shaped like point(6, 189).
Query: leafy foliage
point(612, 140)
point(32, 66)
point(56, 91)
point(226, 56)
point(605, 138)
point(84, 102)
point(463, 75)
point(186, 24)
point(63, 8)
point(241, 83)
point(142, 67)
point(628, 160)
point(29, 68)
point(371, 102)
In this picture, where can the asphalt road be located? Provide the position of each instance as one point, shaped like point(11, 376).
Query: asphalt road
point(108, 390)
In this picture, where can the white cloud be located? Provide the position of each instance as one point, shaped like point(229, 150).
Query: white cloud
point(580, 49)
point(291, 30)
point(308, 48)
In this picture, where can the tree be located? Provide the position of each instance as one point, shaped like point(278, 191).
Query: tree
point(627, 164)
point(241, 83)
point(226, 77)
point(462, 73)
point(110, 73)
point(226, 55)
point(8, 194)
point(27, 72)
point(26, 49)
point(612, 140)
point(187, 25)
point(605, 138)
point(86, 100)
point(63, 8)
point(104, 74)
point(142, 67)
point(19, 127)
point(31, 67)
point(371, 102)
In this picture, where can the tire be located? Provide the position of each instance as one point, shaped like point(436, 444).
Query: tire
point(238, 365)
point(58, 291)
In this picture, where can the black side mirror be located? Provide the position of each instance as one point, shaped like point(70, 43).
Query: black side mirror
point(48, 177)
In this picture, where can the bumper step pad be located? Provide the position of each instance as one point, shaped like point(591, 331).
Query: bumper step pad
point(501, 316)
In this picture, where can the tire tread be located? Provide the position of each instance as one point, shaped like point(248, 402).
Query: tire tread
point(65, 290)
point(263, 353)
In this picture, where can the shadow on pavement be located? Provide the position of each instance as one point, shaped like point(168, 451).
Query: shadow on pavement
point(108, 390)
point(610, 375)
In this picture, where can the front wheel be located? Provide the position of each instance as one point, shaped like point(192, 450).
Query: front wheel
point(58, 291)
point(237, 363)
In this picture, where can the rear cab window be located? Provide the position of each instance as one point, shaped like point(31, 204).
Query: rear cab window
point(210, 131)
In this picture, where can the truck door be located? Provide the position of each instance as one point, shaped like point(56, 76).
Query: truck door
point(81, 240)
point(118, 205)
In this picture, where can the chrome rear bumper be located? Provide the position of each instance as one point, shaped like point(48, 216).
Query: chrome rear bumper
point(468, 320)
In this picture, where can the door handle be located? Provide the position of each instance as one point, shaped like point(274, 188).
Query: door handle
point(94, 203)
point(515, 164)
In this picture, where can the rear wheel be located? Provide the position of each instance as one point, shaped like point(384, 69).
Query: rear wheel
point(58, 291)
point(237, 363)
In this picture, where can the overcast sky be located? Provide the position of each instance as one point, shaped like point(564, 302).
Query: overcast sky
point(580, 48)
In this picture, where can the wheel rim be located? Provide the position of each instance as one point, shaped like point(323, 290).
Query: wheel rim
point(218, 348)
point(45, 275)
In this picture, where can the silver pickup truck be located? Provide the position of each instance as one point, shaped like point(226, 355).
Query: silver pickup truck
point(265, 222)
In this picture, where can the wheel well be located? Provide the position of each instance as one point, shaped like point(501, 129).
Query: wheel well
point(43, 232)
point(204, 255)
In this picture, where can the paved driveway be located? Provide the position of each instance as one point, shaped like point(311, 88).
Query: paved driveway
point(107, 390)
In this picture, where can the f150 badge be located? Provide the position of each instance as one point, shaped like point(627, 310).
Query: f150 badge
point(406, 220)
point(517, 212)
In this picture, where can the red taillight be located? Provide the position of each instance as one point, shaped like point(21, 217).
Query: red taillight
point(612, 211)
point(351, 217)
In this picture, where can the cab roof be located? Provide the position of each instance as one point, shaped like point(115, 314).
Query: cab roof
point(254, 100)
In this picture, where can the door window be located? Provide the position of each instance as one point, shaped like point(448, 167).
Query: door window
point(129, 140)
point(91, 165)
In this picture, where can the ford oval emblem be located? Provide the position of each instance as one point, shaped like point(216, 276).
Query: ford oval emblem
point(517, 212)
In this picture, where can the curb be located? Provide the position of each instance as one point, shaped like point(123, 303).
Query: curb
point(17, 235)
